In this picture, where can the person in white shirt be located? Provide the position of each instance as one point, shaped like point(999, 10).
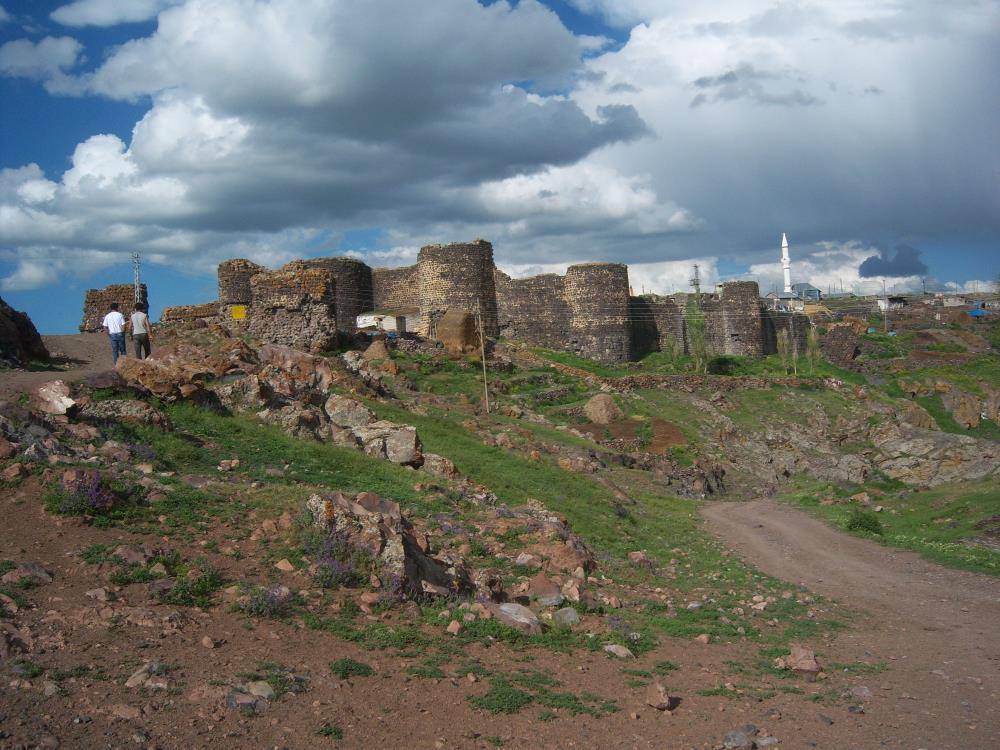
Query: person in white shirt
point(114, 325)
point(139, 329)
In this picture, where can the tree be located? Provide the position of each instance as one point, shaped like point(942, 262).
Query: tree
point(695, 325)
point(812, 349)
point(784, 349)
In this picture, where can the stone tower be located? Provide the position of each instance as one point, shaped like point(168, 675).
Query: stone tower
point(598, 298)
point(459, 274)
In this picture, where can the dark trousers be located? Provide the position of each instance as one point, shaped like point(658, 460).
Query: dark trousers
point(141, 343)
point(117, 346)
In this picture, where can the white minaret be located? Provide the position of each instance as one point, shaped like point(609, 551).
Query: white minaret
point(786, 263)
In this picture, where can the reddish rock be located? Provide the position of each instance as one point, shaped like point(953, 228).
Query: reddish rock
point(53, 398)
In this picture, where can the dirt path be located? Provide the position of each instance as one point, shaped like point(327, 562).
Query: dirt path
point(939, 629)
point(73, 358)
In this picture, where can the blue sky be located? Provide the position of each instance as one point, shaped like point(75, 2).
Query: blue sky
point(640, 131)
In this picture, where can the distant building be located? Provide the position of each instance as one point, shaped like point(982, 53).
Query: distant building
point(806, 291)
point(892, 303)
point(952, 301)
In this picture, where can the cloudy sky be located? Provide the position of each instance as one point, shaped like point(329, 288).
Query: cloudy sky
point(653, 132)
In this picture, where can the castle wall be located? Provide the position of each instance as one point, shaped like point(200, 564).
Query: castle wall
point(597, 295)
point(458, 275)
point(775, 321)
point(294, 308)
point(97, 304)
point(352, 281)
point(234, 280)
point(185, 313)
point(741, 333)
point(533, 310)
point(395, 288)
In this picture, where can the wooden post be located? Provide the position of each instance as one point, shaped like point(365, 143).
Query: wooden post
point(482, 350)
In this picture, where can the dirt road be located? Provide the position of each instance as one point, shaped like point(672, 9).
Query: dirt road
point(73, 358)
point(939, 629)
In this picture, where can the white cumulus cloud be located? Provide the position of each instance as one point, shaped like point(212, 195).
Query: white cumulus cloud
point(108, 12)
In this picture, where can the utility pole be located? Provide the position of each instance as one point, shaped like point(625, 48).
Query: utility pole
point(696, 282)
point(136, 279)
point(482, 350)
point(885, 310)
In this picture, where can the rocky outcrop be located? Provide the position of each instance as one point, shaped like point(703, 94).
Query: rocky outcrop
point(370, 523)
point(964, 407)
point(19, 339)
point(924, 458)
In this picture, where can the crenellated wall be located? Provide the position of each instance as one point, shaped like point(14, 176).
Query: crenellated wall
point(459, 274)
point(533, 310)
point(234, 280)
point(395, 288)
point(352, 280)
point(97, 304)
point(597, 295)
point(588, 311)
point(294, 308)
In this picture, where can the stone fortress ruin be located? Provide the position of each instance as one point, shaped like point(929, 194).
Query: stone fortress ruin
point(590, 311)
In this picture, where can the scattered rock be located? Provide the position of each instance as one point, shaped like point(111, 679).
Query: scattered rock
point(618, 651)
point(346, 412)
point(704, 638)
point(284, 565)
point(260, 689)
point(800, 660)
point(566, 617)
point(53, 398)
point(640, 559)
point(518, 616)
point(29, 572)
point(454, 627)
point(544, 591)
point(657, 697)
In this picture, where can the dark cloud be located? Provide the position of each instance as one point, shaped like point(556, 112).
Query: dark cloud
point(905, 261)
point(747, 82)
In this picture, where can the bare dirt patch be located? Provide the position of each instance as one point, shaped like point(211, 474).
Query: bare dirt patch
point(939, 627)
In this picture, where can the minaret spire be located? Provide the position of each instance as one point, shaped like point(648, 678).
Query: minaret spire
point(786, 263)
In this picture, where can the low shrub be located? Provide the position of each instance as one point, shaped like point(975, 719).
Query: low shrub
point(865, 521)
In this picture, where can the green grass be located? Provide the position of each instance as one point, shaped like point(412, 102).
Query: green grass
point(939, 523)
point(346, 668)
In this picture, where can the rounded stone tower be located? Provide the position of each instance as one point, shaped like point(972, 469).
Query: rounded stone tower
point(459, 274)
point(598, 300)
point(234, 280)
point(353, 285)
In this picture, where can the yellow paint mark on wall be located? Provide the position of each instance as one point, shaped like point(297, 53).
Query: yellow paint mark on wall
point(238, 312)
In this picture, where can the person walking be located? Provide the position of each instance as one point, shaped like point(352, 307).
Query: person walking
point(114, 325)
point(140, 330)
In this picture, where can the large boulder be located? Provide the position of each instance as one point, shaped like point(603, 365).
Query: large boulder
point(397, 443)
point(602, 409)
point(346, 412)
point(53, 398)
point(306, 370)
point(456, 329)
point(375, 525)
point(19, 339)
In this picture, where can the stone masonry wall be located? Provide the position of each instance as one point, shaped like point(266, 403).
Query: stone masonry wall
point(353, 282)
point(533, 309)
point(294, 308)
point(234, 280)
point(742, 333)
point(97, 304)
point(395, 288)
point(184, 313)
point(774, 321)
point(598, 298)
point(460, 275)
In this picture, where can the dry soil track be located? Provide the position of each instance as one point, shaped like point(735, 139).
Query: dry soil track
point(938, 628)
